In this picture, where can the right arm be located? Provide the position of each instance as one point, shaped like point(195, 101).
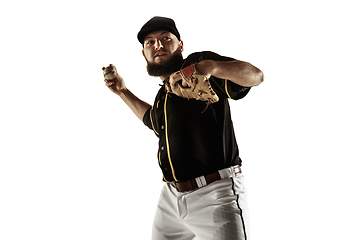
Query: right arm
point(118, 87)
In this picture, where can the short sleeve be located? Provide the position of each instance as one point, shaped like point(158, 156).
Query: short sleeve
point(227, 89)
point(223, 87)
point(147, 119)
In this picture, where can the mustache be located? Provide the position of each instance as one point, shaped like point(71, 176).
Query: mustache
point(159, 52)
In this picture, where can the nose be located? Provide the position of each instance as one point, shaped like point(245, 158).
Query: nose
point(158, 45)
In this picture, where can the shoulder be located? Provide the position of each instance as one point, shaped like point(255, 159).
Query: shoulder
point(206, 55)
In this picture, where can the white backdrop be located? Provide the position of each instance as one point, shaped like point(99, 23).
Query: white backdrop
point(77, 164)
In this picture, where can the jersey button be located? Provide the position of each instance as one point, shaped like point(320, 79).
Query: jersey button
point(162, 148)
point(162, 127)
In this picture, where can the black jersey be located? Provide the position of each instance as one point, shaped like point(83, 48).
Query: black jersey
point(192, 143)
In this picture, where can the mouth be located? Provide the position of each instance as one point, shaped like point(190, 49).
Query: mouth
point(160, 54)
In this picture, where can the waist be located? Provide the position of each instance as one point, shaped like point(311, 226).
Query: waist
point(202, 181)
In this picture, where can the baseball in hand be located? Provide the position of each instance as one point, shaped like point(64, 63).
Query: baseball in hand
point(109, 72)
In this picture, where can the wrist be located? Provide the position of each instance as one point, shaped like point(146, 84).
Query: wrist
point(123, 92)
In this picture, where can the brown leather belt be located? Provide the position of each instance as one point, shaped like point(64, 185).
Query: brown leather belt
point(191, 185)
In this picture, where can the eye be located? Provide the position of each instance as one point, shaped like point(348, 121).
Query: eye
point(150, 42)
point(167, 38)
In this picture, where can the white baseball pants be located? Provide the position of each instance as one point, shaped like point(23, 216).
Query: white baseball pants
point(217, 211)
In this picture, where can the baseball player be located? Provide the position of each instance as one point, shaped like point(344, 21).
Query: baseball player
point(203, 196)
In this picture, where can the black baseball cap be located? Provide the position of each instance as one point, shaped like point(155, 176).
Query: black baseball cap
point(155, 24)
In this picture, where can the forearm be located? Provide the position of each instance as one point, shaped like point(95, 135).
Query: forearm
point(239, 72)
point(138, 106)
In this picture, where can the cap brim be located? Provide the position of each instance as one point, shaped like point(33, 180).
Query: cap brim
point(143, 33)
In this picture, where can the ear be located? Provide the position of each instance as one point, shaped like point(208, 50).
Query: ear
point(143, 54)
point(181, 45)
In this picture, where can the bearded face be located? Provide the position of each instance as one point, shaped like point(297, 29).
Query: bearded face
point(164, 68)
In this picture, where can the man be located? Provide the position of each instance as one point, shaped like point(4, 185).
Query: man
point(203, 195)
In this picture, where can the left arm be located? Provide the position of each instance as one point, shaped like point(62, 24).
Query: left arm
point(239, 72)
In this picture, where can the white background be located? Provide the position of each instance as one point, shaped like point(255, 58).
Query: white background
point(77, 164)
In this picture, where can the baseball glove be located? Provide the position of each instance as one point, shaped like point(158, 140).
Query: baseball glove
point(198, 88)
point(109, 72)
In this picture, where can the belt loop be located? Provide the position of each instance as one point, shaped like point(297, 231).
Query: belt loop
point(237, 170)
point(226, 173)
point(201, 181)
point(232, 171)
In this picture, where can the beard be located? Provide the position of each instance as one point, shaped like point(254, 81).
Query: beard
point(168, 67)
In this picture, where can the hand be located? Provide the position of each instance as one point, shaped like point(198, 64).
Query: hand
point(116, 84)
point(176, 79)
point(197, 86)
